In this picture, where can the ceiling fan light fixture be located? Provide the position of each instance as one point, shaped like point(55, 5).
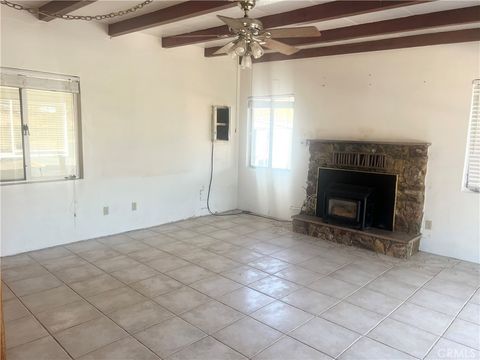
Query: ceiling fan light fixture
point(246, 62)
point(240, 47)
point(228, 48)
point(256, 50)
point(252, 37)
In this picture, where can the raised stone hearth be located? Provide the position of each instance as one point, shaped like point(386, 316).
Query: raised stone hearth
point(406, 160)
point(392, 243)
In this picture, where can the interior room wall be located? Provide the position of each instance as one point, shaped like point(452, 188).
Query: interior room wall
point(146, 119)
point(418, 94)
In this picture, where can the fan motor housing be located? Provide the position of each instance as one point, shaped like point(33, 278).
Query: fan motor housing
point(246, 5)
point(253, 25)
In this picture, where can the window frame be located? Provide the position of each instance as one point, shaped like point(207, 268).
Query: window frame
point(465, 186)
point(24, 121)
point(271, 98)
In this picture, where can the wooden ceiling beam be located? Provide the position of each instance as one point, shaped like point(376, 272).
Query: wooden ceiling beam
point(409, 23)
point(61, 8)
point(321, 12)
point(182, 11)
point(446, 37)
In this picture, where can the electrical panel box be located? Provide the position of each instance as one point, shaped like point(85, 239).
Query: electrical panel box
point(220, 123)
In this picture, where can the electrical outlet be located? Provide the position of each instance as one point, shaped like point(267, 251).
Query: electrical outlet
point(203, 194)
point(134, 206)
point(106, 210)
point(428, 224)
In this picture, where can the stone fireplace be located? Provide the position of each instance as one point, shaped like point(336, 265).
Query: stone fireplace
point(366, 194)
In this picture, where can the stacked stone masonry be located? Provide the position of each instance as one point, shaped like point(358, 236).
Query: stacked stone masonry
point(406, 160)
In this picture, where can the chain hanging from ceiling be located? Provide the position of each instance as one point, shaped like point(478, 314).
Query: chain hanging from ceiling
point(78, 17)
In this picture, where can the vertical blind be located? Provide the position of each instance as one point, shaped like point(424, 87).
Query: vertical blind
point(472, 168)
point(11, 141)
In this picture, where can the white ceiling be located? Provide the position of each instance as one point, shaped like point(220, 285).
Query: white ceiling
point(263, 8)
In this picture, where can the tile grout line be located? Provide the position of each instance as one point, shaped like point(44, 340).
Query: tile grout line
point(333, 305)
point(383, 319)
point(338, 302)
point(150, 299)
point(184, 284)
point(64, 283)
point(187, 285)
point(212, 299)
point(38, 320)
point(245, 315)
point(286, 334)
point(127, 337)
point(247, 285)
point(396, 308)
point(86, 300)
point(450, 324)
point(33, 315)
point(350, 294)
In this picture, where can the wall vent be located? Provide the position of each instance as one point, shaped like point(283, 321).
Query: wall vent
point(361, 160)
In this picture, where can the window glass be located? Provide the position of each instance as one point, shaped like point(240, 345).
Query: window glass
point(39, 126)
point(260, 137)
point(11, 143)
point(282, 138)
point(52, 139)
point(271, 130)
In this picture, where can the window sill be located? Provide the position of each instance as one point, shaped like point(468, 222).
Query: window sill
point(468, 191)
point(268, 169)
point(24, 182)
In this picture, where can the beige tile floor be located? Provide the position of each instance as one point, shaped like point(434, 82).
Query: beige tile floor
point(233, 288)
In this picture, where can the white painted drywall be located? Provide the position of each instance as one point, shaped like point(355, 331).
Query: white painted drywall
point(410, 94)
point(146, 133)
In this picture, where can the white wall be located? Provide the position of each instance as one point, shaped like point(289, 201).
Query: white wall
point(410, 94)
point(146, 132)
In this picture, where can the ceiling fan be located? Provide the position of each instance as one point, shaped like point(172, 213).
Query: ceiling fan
point(251, 37)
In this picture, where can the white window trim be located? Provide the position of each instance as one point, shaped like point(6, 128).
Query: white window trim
point(27, 79)
point(39, 80)
point(250, 132)
point(465, 188)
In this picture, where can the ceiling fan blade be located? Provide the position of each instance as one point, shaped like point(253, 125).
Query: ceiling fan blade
point(213, 36)
point(232, 23)
point(280, 47)
point(224, 49)
point(303, 31)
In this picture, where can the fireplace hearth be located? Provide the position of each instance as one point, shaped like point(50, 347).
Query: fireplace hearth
point(367, 194)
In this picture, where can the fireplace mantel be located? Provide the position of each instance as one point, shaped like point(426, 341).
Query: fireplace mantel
point(372, 142)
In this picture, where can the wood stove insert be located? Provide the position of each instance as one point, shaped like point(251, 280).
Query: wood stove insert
point(359, 199)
